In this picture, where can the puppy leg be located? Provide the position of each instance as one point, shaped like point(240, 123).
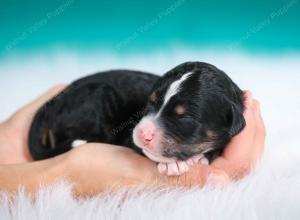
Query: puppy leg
point(198, 159)
point(180, 167)
point(173, 169)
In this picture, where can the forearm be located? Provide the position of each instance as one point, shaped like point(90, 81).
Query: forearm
point(32, 175)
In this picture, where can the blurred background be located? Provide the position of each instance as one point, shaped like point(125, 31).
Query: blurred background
point(257, 43)
point(143, 26)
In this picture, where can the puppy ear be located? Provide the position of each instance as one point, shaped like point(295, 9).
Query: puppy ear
point(236, 120)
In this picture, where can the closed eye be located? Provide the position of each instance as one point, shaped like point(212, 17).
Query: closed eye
point(185, 117)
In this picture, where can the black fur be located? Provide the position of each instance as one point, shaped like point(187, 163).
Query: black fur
point(103, 107)
point(106, 106)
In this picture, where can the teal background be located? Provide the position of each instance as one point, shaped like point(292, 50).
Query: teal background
point(130, 26)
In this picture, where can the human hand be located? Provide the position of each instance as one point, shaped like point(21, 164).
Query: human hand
point(99, 167)
point(239, 156)
point(14, 131)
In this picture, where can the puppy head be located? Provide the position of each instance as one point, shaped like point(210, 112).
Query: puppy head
point(194, 108)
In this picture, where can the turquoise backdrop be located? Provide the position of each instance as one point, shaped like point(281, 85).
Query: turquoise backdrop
point(126, 26)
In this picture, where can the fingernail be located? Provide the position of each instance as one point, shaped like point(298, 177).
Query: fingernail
point(247, 93)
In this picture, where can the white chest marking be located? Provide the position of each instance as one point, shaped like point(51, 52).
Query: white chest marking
point(173, 89)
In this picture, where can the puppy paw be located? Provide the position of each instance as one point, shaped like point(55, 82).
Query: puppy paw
point(194, 160)
point(179, 167)
point(204, 161)
point(173, 169)
point(77, 143)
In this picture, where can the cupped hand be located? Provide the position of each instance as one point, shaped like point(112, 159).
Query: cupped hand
point(96, 167)
point(240, 155)
point(99, 167)
point(14, 131)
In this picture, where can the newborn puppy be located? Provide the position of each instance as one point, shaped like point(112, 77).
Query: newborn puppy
point(192, 113)
point(184, 117)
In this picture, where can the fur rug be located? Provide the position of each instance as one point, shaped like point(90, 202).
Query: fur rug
point(272, 191)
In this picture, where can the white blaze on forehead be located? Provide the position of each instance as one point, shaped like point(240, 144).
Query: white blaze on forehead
point(173, 89)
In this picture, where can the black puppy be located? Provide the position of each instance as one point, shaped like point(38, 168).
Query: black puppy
point(192, 113)
point(184, 117)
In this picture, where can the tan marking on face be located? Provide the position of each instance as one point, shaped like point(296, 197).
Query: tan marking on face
point(180, 109)
point(170, 145)
point(210, 134)
point(153, 97)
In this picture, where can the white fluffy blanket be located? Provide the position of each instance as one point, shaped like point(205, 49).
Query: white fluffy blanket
point(272, 191)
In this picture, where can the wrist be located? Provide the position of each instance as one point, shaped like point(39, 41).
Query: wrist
point(44, 172)
point(55, 169)
point(31, 175)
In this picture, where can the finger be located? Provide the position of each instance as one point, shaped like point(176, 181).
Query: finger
point(238, 154)
point(259, 142)
point(248, 100)
point(248, 111)
point(256, 106)
point(259, 120)
point(240, 146)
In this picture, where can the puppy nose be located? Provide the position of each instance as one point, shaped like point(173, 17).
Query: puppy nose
point(146, 135)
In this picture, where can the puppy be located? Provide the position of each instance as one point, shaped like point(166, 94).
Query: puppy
point(184, 117)
point(103, 107)
point(192, 113)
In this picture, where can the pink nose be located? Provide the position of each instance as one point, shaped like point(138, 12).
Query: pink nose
point(146, 136)
point(146, 133)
